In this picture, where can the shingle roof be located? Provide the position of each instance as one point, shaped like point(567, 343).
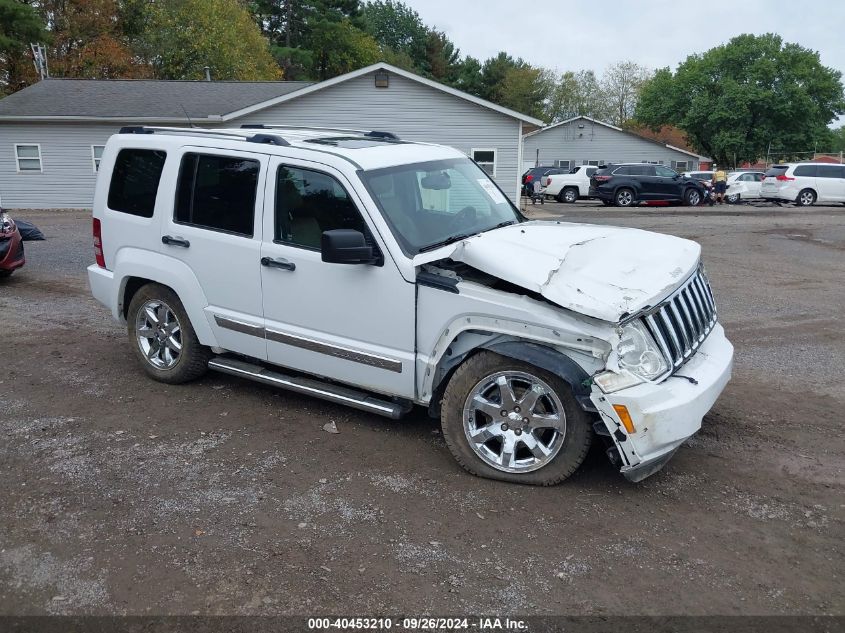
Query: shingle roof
point(141, 99)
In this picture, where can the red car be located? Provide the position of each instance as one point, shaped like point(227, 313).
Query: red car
point(11, 246)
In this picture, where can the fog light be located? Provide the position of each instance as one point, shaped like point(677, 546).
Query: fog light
point(627, 422)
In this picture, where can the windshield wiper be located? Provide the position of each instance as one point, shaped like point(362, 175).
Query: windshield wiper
point(446, 242)
point(502, 224)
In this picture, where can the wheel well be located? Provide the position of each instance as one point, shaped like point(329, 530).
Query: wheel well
point(132, 286)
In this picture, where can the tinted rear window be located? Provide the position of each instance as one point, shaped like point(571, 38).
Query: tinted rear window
point(134, 181)
point(776, 170)
point(217, 192)
point(805, 170)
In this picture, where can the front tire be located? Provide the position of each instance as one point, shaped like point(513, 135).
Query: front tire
point(541, 439)
point(569, 195)
point(806, 198)
point(733, 198)
point(162, 337)
point(692, 197)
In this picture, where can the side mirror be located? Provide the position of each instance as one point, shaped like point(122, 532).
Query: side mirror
point(346, 246)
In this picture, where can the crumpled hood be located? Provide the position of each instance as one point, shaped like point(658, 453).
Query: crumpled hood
point(601, 271)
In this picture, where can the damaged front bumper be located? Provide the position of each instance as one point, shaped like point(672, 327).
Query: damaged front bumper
point(665, 415)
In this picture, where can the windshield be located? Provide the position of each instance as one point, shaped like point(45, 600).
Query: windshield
point(428, 204)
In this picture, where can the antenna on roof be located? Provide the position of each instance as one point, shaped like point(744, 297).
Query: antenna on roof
point(39, 58)
point(191, 123)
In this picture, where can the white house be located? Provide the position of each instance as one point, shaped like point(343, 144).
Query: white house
point(52, 133)
point(585, 141)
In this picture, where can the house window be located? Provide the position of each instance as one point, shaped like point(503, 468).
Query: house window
point(681, 165)
point(564, 164)
point(594, 163)
point(28, 157)
point(96, 155)
point(486, 159)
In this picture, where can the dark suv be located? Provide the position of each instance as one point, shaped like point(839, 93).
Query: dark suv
point(537, 173)
point(629, 183)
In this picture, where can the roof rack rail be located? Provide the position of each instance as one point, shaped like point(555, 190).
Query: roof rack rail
point(268, 139)
point(272, 126)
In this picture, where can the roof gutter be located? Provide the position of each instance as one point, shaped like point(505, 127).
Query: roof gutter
point(114, 119)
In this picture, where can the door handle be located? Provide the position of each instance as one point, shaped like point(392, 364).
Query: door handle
point(278, 263)
point(174, 241)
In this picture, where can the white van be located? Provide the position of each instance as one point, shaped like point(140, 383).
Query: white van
point(804, 183)
point(382, 274)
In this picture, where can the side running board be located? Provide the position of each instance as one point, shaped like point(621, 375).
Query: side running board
point(310, 387)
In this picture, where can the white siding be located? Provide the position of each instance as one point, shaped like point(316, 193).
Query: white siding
point(67, 174)
point(413, 111)
point(583, 140)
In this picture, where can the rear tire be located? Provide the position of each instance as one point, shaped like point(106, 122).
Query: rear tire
point(624, 197)
point(162, 337)
point(806, 198)
point(733, 198)
point(520, 447)
point(569, 195)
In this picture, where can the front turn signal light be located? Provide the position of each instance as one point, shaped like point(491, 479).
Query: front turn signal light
point(625, 417)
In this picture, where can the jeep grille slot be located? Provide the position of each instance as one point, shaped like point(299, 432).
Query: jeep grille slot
point(682, 322)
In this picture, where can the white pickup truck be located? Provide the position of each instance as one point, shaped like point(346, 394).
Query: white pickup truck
point(386, 275)
point(572, 186)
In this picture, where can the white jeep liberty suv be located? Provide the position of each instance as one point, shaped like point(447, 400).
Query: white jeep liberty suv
point(382, 274)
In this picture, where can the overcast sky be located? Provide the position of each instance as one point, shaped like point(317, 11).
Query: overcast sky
point(576, 34)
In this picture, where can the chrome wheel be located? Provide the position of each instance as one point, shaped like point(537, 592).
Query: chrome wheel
point(514, 422)
point(159, 334)
point(624, 198)
point(733, 198)
point(693, 198)
point(570, 196)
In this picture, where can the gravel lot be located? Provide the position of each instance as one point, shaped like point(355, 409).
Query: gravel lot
point(121, 495)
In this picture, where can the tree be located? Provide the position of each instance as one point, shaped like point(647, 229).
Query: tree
point(524, 89)
point(468, 77)
point(738, 100)
point(397, 28)
point(183, 36)
point(87, 40)
point(577, 94)
point(339, 48)
point(621, 85)
point(441, 57)
point(20, 25)
point(837, 139)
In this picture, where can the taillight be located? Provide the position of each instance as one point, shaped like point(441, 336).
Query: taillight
point(783, 177)
point(601, 178)
point(529, 178)
point(98, 244)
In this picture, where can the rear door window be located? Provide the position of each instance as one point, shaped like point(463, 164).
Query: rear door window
point(805, 170)
point(134, 181)
point(217, 193)
point(624, 170)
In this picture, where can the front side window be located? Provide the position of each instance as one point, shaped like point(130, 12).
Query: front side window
point(308, 203)
point(665, 172)
point(28, 158)
point(96, 156)
point(217, 193)
point(486, 159)
point(427, 204)
point(830, 171)
point(134, 181)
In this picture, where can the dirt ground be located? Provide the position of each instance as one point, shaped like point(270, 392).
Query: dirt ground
point(119, 495)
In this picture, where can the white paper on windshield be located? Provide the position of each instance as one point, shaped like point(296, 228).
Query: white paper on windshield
point(495, 195)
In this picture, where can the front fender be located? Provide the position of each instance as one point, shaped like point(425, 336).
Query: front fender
point(168, 271)
point(552, 361)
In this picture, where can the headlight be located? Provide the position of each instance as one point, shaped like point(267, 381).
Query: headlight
point(640, 360)
point(639, 354)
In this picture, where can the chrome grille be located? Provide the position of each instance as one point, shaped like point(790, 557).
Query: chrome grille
point(682, 322)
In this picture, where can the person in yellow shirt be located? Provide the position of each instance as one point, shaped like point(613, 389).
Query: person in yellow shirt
point(720, 183)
